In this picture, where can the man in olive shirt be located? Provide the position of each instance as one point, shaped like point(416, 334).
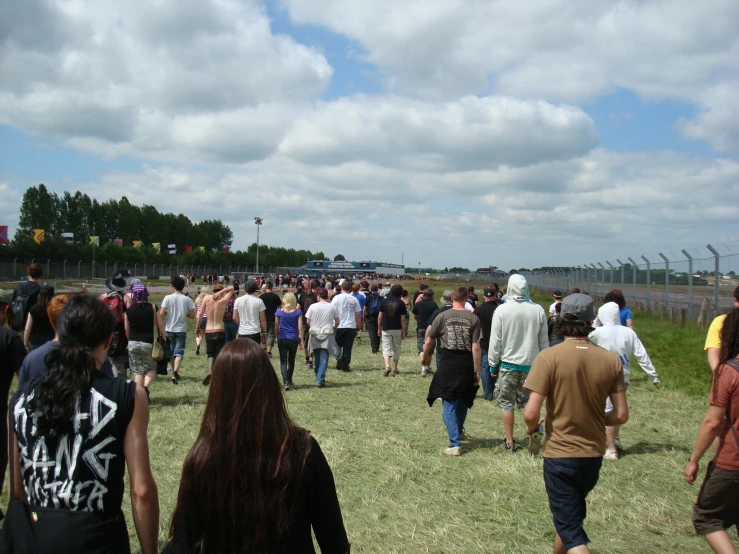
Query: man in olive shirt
point(575, 378)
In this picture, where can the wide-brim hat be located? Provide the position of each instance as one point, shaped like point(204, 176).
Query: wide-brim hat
point(120, 281)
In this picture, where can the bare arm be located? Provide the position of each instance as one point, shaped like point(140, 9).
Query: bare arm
point(163, 312)
point(620, 413)
point(402, 326)
point(336, 323)
point(203, 308)
point(277, 326)
point(27, 331)
point(263, 321)
point(358, 317)
point(127, 325)
point(532, 412)
point(712, 357)
point(706, 435)
point(477, 360)
point(160, 325)
point(379, 324)
point(144, 494)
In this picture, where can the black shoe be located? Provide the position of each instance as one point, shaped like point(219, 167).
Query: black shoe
point(287, 387)
point(197, 350)
point(340, 364)
point(307, 361)
point(321, 386)
point(206, 381)
point(148, 396)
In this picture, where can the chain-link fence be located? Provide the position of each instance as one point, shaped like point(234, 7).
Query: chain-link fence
point(680, 285)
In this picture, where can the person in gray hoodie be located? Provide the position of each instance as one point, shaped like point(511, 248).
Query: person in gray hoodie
point(518, 333)
point(623, 341)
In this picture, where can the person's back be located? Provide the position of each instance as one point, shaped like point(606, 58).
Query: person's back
point(42, 331)
point(249, 307)
point(25, 296)
point(521, 329)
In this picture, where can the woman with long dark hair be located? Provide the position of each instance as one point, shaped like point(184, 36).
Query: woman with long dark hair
point(717, 505)
point(254, 482)
point(87, 427)
point(38, 329)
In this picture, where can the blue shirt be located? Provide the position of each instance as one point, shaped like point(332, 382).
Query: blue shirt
point(361, 299)
point(34, 364)
point(288, 324)
point(625, 314)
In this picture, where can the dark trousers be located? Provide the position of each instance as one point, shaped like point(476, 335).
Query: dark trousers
point(371, 322)
point(288, 349)
point(345, 341)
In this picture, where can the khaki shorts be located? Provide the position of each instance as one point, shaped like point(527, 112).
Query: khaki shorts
point(139, 357)
point(391, 343)
point(509, 389)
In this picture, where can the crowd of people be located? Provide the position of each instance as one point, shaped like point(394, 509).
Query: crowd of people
point(77, 424)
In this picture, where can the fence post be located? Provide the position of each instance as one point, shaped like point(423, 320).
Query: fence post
point(633, 270)
point(595, 277)
point(667, 279)
point(79, 269)
point(716, 277)
point(135, 266)
point(48, 265)
point(690, 283)
point(620, 263)
point(64, 269)
point(15, 272)
point(649, 283)
point(145, 269)
point(611, 266)
point(602, 275)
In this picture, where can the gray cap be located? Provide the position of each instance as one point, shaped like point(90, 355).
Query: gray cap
point(6, 296)
point(446, 297)
point(579, 305)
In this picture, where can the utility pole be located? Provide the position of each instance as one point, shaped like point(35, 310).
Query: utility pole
point(258, 223)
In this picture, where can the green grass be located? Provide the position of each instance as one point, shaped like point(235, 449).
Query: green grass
point(400, 495)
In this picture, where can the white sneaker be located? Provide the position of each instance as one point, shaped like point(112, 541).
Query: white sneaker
point(424, 372)
point(611, 454)
point(618, 444)
point(453, 451)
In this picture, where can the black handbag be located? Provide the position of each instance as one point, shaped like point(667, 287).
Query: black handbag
point(29, 528)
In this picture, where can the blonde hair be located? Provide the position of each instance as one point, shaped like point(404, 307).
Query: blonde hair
point(289, 301)
point(204, 291)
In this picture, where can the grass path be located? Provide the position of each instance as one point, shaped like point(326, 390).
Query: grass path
point(400, 495)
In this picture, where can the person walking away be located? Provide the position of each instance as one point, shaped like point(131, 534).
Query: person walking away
point(249, 314)
point(309, 298)
point(371, 313)
point(422, 287)
point(12, 357)
point(237, 286)
point(472, 298)
point(25, 296)
point(446, 304)
point(229, 325)
point(289, 330)
point(423, 307)
point(391, 322)
point(713, 338)
point(176, 307)
point(485, 313)
point(623, 342)
point(290, 489)
point(201, 317)
point(458, 375)
point(717, 505)
point(407, 301)
point(323, 321)
point(362, 299)
point(574, 378)
point(350, 320)
point(517, 335)
point(215, 334)
point(38, 330)
point(118, 351)
point(557, 300)
point(272, 302)
point(141, 321)
point(625, 316)
point(385, 290)
point(94, 426)
point(553, 332)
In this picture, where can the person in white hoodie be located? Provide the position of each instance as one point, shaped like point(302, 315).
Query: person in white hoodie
point(518, 334)
point(623, 341)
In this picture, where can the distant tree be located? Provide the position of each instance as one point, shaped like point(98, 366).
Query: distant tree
point(339, 258)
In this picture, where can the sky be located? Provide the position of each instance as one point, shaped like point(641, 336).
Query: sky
point(438, 132)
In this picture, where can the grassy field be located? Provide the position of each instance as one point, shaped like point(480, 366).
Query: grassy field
point(400, 495)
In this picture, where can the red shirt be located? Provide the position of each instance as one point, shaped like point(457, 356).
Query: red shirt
point(727, 397)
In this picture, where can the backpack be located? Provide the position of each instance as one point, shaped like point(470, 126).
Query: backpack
point(114, 301)
point(373, 304)
point(119, 343)
point(20, 308)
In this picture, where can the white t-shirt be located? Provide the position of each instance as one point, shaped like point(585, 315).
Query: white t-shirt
point(177, 306)
point(552, 308)
point(322, 315)
point(346, 306)
point(249, 307)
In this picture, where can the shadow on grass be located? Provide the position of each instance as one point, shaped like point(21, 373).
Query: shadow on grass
point(188, 399)
point(481, 444)
point(653, 448)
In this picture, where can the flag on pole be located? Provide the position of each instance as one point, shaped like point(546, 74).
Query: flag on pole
point(172, 246)
point(38, 235)
point(95, 240)
point(226, 249)
point(188, 248)
point(69, 236)
point(173, 251)
point(155, 246)
point(3, 234)
point(136, 243)
point(119, 242)
point(214, 249)
point(201, 248)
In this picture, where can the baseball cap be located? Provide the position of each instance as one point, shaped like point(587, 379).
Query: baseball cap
point(6, 296)
point(446, 297)
point(387, 283)
point(557, 295)
point(489, 292)
point(579, 305)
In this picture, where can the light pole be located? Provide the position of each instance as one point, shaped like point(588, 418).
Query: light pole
point(258, 223)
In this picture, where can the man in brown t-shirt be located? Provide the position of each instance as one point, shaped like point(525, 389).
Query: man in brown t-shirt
point(575, 378)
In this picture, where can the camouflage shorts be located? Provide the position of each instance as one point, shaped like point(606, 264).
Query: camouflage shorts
point(509, 390)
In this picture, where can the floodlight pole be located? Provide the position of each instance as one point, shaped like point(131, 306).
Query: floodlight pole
point(258, 223)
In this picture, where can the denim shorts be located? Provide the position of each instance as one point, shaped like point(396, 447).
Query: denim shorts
point(178, 342)
point(568, 482)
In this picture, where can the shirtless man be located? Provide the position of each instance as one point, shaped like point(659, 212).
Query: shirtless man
point(214, 306)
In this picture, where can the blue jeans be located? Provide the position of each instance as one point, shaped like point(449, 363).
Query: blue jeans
point(454, 412)
point(488, 381)
point(320, 363)
point(232, 330)
point(178, 341)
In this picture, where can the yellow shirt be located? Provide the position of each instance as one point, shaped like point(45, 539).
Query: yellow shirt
point(713, 339)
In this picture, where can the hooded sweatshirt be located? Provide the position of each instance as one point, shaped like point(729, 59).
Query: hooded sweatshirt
point(519, 329)
point(621, 340)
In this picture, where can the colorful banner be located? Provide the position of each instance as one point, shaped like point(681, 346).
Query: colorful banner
point(201, 248)
point(3, 234)
point(172, 246)
point(38, 235)
point(119, 242)
point(95, 240)
point(188, 248)
point(155, 246)
point(214, 249)
point(172, 251)
point(226, 249)
point(136, 243)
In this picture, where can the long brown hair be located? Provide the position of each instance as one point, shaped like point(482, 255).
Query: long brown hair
point(729, 345)
point(241, 477)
